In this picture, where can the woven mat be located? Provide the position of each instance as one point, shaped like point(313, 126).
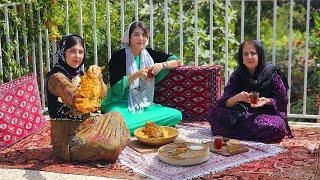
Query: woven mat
point(149, 164)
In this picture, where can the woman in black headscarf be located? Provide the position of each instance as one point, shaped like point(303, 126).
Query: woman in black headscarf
point(76, 136)
point(237, 116)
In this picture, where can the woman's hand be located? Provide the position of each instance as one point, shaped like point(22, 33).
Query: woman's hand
point(94, 69)
point(142, 73)
point(240, 97)
point(261, 102)
point(243, 97)
point(156, 68)
point(180, 63)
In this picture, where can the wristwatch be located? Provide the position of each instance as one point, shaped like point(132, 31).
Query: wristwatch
point(164, 65)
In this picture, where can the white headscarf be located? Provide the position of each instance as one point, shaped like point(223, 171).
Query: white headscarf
point(141, 90)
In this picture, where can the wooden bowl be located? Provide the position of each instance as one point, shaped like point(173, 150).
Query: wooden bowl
point(170, 134)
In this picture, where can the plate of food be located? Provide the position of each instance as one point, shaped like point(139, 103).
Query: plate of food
point(228, 147)
point(153, 134)
point(184, 153)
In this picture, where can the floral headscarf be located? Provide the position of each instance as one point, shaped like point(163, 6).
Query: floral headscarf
point(61, 64)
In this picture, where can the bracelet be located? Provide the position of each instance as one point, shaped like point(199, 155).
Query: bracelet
point(164, 65)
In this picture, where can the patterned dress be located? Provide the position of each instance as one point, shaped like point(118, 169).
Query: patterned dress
point(265, 124)
point(82, 137)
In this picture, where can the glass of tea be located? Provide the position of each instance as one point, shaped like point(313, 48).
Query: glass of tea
point(218, 141)
point(150, 74)
point(254, 95)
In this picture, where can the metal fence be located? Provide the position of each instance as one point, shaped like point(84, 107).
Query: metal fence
point(41, 52)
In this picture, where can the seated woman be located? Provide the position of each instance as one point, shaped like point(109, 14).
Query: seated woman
point(132, 86)
point(236, 116)
point(77, 136)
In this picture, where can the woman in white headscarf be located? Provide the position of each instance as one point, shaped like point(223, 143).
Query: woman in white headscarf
point(134, 70)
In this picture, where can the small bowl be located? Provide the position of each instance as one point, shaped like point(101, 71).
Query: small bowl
point(170, 135)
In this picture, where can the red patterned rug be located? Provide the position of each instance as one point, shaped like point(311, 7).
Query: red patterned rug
point(299, 162)
point(35, 152)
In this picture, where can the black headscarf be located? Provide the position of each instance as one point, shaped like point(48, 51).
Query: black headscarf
point(61, 64)
point(262, 78)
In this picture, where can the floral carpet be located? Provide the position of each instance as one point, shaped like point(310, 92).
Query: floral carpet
point(299, 162)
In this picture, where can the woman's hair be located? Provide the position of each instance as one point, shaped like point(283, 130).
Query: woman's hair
point(72, 40)
point(140, 25)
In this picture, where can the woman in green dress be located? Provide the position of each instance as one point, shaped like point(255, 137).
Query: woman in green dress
point(134, 70)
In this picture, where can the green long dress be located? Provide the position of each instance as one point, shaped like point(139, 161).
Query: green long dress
point(117, 101)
